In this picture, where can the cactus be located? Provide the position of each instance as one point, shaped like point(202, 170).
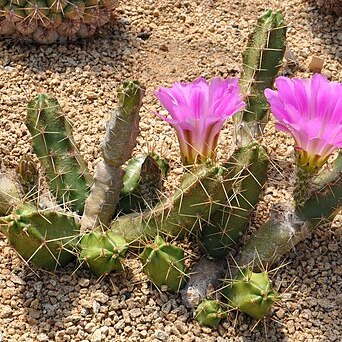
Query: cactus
point(228, 224)
point(210, 313)
point(46, 21)
point(163, 263)
point(55, 147)
point(45, 238)
point(250, 293)
point(142, 182)
point(119, 141)
point(102, 251)
point(261, 62)
point(287, 228)
point(201, 192)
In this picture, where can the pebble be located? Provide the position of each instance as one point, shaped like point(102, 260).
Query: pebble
point(97, 336)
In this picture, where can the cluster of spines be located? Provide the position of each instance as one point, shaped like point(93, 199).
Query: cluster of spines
point(262, 60)
point(102, 251)
point(229, 223)
point(47, 20)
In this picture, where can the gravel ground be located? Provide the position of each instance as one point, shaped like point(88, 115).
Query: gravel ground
point(157, 43)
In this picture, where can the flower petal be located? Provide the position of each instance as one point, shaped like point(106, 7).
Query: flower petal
point(198, 111)
point(311, 110)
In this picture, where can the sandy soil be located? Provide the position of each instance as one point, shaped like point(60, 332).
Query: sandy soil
point(157, 43)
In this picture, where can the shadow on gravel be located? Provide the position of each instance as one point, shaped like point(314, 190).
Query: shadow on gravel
point(55, 305)
point(110, 46)
point(328, 30)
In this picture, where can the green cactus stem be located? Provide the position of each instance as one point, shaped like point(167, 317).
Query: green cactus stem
point(201, 192)
point(102, 251)
point(210, 313)
point(251, 293)
point(261, 62)
point(56, 149)
point(119, 141)
point(45, 238)
point(229, 223)
point(10, 194)
point(142, 182)
point(277, 237)
point(163, 263)
point(287, 228)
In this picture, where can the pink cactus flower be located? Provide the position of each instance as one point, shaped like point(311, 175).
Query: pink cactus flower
point(310, 110)
point(198, 111)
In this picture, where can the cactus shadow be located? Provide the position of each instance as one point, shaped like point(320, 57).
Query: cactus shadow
point(54, 303)
point(326, 28)
point(109, 47)
point(47, 299)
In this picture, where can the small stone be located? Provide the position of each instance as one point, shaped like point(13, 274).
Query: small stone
point(161, 335)
point(164, 48)
point(86, 303)
point(5, 311)
point(101, 297)
point(42, 337)
point(84, 282)
point(96, 307)
point(97, 336)
point(280, 313)
point(89, 327)
point(17, 280)
point(333, 247)
point(181, 327)
point(35, 304)
point(34, 313)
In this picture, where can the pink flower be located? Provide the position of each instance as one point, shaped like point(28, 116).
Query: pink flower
point(311, 110)
point(198, 111)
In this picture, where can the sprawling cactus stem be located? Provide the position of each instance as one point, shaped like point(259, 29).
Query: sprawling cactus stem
point(10, 194)
point(202, 191)
point(261, 63)
point(45, 238)
point(230, 222)
point(285, 229)
point(55, 147)
point(119, 142)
